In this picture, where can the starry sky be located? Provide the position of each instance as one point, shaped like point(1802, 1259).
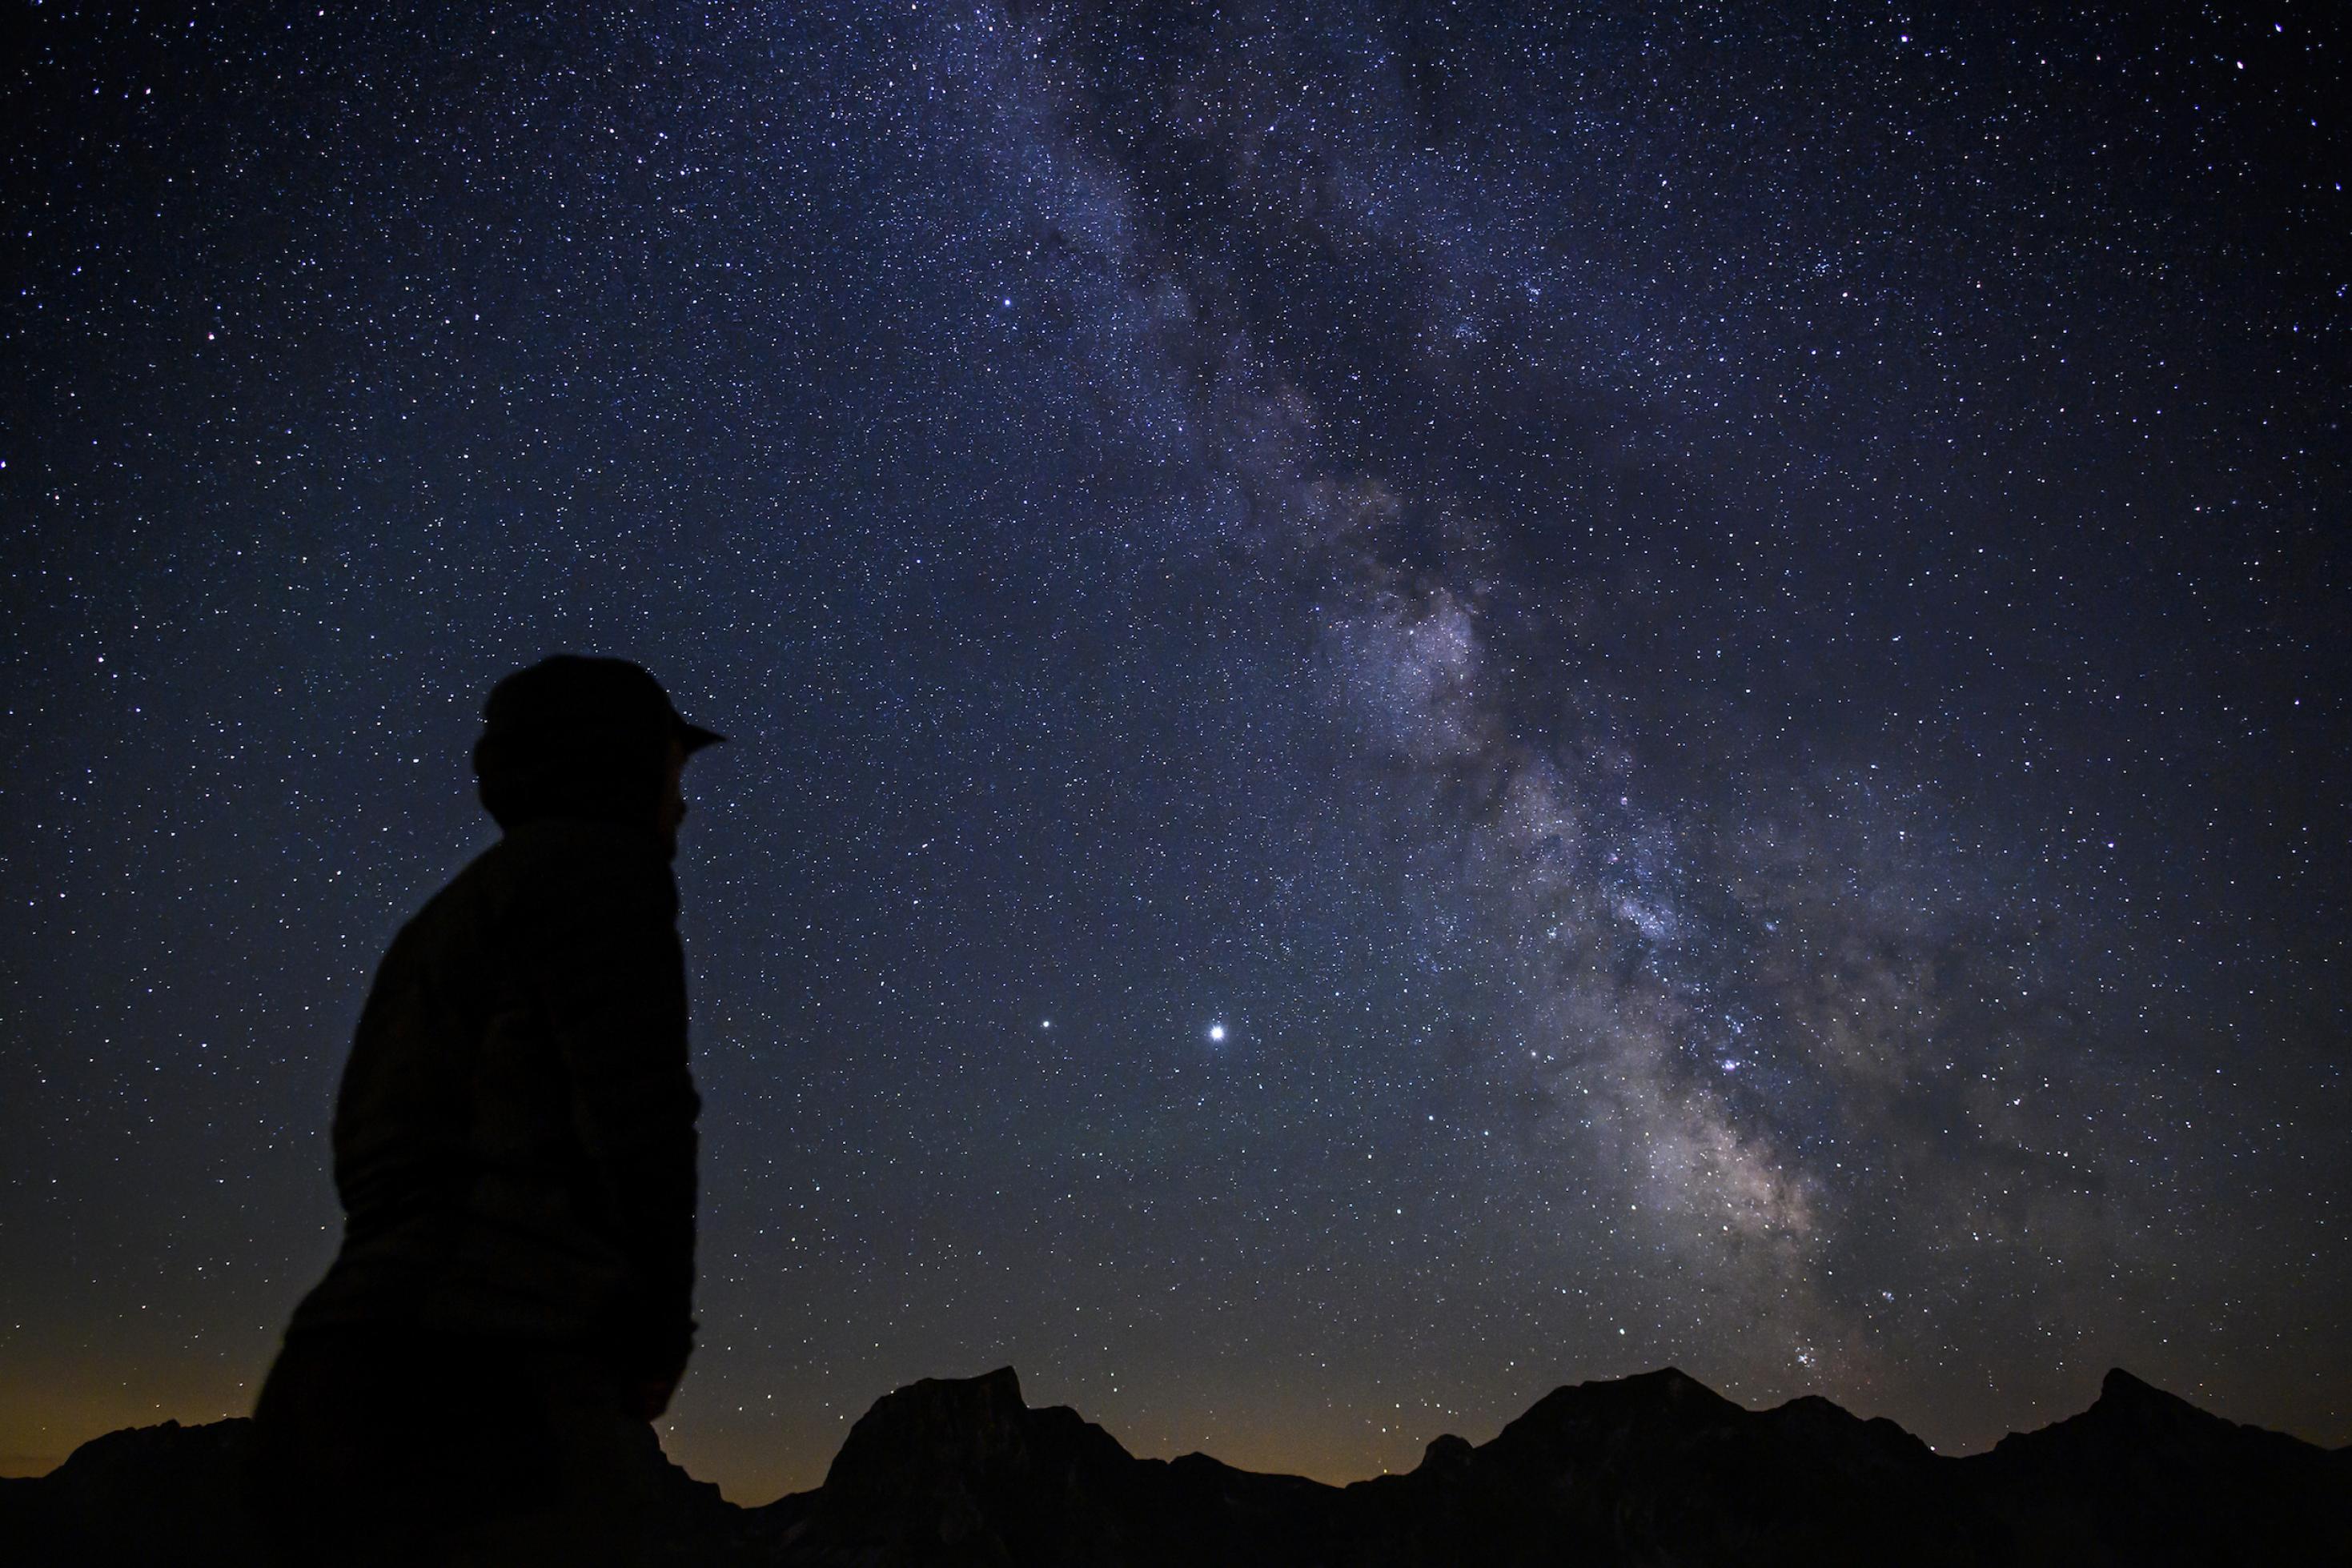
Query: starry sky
point(1425, 702)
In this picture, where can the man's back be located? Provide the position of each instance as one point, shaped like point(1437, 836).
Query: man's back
point(514, 1138)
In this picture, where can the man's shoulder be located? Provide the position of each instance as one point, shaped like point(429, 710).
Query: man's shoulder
point(561, 839)
point(573, 857)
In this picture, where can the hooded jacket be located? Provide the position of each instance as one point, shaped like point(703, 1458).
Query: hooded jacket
point(514, 1138)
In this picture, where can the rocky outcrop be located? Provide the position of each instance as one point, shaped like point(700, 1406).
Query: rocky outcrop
point(963, 1471)
point(1656, 1468)
point(1659, 1467)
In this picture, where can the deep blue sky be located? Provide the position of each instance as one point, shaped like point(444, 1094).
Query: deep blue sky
point(1715, 642)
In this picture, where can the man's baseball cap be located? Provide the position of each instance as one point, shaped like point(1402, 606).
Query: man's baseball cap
point(571, 697)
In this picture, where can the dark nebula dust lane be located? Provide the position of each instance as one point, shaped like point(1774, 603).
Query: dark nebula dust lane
point(1427, 703)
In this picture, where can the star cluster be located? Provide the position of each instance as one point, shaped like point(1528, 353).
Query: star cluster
point(1427, 701)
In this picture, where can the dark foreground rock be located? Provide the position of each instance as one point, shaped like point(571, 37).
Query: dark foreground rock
point(1651, 1470)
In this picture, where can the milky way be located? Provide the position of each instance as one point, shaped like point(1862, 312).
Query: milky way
point(1426, 705)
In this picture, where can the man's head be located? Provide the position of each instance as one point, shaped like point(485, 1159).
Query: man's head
point(576, 737)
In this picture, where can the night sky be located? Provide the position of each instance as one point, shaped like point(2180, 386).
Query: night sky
point(1425, 704)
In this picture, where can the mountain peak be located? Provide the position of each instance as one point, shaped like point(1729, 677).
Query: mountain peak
point(2119, 1391)
point(2126, 1402)
point(1447, 1452)
point(933, 1423)
point(1669, 1395)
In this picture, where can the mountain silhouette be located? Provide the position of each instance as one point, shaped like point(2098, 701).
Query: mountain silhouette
point(1655, 1468)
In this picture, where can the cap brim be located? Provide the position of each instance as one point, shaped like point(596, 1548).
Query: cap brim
point(694, 737)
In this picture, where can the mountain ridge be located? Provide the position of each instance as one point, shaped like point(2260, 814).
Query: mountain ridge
point(1654, 1468)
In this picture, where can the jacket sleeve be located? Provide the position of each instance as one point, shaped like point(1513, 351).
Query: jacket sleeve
point(611, 974)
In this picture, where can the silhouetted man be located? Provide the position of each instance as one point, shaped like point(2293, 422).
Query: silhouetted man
point(474, 1379)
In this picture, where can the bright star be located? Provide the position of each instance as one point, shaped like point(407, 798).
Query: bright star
point(1216, 1034)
